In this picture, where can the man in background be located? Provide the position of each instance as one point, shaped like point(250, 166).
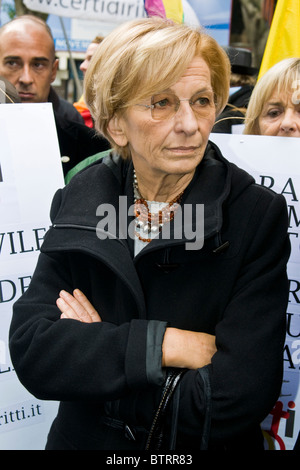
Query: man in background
point(27, 60)
point(80, 104)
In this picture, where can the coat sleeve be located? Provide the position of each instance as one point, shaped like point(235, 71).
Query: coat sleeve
point(66, 359)
point(246, 372)
point(58, 359)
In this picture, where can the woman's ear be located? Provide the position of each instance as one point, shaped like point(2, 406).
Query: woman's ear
point(116, 131)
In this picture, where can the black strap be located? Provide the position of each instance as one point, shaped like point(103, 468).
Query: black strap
point(172, 390)
point(155, 438)
point(174, 421)
point(205, 375)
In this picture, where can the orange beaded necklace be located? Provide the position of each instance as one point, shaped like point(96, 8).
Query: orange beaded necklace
point(147, 222)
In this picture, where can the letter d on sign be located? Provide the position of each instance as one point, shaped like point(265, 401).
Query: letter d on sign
point(7, 291)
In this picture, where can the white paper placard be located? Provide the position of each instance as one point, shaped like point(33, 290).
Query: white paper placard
point(31, 172)
point(274, 162)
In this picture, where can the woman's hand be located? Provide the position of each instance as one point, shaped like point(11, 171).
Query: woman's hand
point(188, 349)
point(77, 307)
point(181, 348)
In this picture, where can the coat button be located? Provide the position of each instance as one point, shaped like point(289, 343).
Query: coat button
point(166, 268)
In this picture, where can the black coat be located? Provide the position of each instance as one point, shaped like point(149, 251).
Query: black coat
point(234, 112)
point(76, 140)
point(235, 287)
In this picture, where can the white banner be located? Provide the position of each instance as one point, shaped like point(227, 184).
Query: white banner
point(30, 173)
point(104, 10)
point(274, 163)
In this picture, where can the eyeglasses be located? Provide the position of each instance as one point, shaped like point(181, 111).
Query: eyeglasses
point(165, 105)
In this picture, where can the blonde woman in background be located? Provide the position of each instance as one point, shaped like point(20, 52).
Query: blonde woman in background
point(274, 106)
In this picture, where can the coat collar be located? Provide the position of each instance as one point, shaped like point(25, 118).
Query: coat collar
point(76, 220)
point(78, 211)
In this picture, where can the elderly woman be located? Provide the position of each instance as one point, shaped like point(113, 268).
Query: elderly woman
point(274, 107)
point(125, 311)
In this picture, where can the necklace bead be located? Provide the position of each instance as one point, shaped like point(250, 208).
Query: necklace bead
point(149, 222)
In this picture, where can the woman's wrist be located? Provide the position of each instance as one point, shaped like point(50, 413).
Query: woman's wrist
point(188, 349)
point(172, 346)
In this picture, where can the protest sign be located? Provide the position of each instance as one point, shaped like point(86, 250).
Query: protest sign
point(31, 172)
point(274, 163)
point(103, 10)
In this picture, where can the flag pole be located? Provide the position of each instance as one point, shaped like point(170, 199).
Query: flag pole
point(72, 62)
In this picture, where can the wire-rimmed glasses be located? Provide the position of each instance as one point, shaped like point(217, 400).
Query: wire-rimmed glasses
point(165, 105)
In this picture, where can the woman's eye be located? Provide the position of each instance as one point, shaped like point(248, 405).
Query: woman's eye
point(201, 101)
point(162, 103)
point(272, 113)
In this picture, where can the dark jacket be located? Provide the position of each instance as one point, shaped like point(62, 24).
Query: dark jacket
point(234, 112)
point(235, 287)
point(63, 110)
point(76, 140)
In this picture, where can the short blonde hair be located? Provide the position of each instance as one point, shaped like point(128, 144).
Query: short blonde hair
point(281, 76)
point(143, 57)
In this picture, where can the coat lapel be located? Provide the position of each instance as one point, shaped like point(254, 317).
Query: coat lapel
point(80, 222)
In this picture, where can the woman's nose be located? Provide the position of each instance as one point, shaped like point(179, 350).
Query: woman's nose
point(289, 121)
point(185, 119)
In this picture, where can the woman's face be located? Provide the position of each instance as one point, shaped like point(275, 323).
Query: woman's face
point(175, 145)
point(280, 115)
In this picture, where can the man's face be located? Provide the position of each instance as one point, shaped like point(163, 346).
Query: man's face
point(27, 60)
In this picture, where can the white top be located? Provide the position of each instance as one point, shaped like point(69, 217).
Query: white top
point(154, 207)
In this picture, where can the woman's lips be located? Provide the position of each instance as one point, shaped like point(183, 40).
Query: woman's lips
point(183, 149)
